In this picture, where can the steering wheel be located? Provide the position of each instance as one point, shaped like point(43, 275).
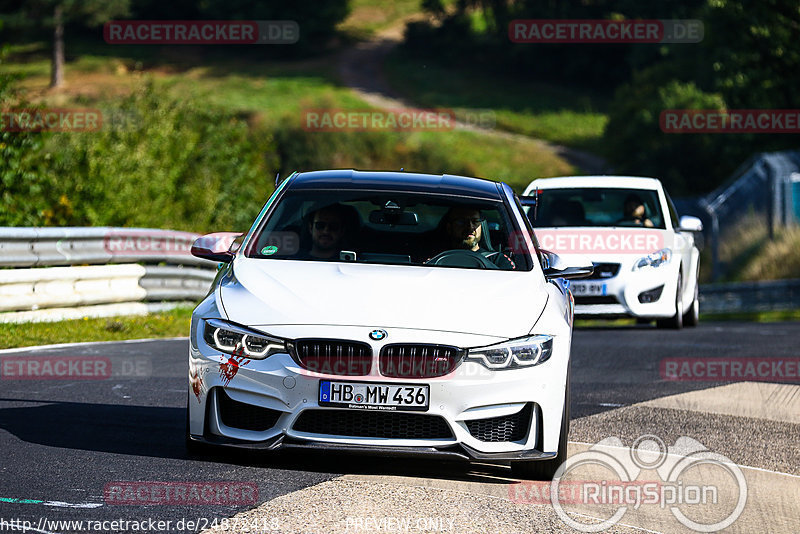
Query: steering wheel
point(629, 221)
point(459, 257)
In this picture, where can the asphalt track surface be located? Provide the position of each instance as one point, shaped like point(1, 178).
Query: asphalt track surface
point(64, 441)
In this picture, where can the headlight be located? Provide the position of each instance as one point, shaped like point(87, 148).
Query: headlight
point(656, 259)
point(523, 352)
point(230, 338)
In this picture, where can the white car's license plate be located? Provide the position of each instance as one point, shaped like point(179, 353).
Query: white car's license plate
point(371, 396)
point(585, 289)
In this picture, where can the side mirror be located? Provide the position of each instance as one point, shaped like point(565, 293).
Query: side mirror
point(566, 266)
point(216, 246)
point(690, 224)
point(531, 204)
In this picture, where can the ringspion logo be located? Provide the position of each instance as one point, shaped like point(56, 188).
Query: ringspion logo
point(593, 490)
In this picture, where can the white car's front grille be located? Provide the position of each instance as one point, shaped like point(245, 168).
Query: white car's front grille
point(418, 360)
point(334, 356)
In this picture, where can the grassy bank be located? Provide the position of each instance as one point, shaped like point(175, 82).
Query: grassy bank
point(173, 323)
point(553, 113)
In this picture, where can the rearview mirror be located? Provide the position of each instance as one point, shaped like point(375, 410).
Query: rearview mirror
point(401, 218)
point(216, 246)
point(566, 266)
point(690, 224)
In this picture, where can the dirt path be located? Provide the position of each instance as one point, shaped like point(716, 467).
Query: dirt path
point(361, 69)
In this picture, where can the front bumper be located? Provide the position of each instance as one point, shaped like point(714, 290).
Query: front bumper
point(457, 452)
point(622, 294)
point(279, 391)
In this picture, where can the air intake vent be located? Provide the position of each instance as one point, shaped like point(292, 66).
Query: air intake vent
point(418, 361)
point(334, 356)
point(512, 427)
point(364, 424)
point(237, 414)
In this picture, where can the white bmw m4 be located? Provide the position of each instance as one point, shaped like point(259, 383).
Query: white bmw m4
point(390, 313)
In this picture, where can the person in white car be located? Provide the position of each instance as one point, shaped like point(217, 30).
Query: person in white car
point(635, 213)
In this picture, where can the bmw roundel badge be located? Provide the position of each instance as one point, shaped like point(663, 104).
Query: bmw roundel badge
point(378, 335)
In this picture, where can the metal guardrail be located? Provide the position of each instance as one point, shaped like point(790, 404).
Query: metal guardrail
point(771, 295)
point(39, 247)
point(51, 272)
point(106, 272)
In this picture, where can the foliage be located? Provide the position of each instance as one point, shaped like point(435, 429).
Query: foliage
point(634, 141)
point(18, 176)
point(155, 162)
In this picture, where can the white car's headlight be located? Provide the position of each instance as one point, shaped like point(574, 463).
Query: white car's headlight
point(230, 338)
point(523, 352)
point(656, 259)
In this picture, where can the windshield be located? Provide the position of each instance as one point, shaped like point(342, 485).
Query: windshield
point(390, 228)
point(595, 206)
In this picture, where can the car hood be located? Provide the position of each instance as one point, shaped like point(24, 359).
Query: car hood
point(259, 293)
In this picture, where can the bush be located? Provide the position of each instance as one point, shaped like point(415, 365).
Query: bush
point(18, 162)
point(687, 163)
point(156, 162)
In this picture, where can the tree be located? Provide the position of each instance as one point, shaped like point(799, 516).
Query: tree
point(55, 14)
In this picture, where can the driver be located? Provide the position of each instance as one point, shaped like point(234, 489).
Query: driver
point(463, 228)
point(329, 228)
point(634, 212)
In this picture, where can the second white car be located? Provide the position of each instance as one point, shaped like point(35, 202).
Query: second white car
point(646, 261)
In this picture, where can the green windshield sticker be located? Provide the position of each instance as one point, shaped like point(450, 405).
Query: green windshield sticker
point(270, 250)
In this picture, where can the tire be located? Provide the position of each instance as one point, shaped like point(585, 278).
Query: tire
point(546, 469)
point(692, 315)
point(676, 321)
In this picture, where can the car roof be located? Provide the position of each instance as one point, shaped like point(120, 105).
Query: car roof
point(632, 182)
point(446, 184)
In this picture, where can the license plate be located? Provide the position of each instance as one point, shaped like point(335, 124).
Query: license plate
point(369, 396)
point(584, 289)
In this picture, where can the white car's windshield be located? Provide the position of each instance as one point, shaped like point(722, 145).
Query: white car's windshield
point(595, 206)
point(391, 228)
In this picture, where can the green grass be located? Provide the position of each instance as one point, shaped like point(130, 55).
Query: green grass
point(557, 114)
point(515, 162)
point(367, 19)
point(274, 92)
point(754, 317)
point(173, 323)
point(750, 317)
